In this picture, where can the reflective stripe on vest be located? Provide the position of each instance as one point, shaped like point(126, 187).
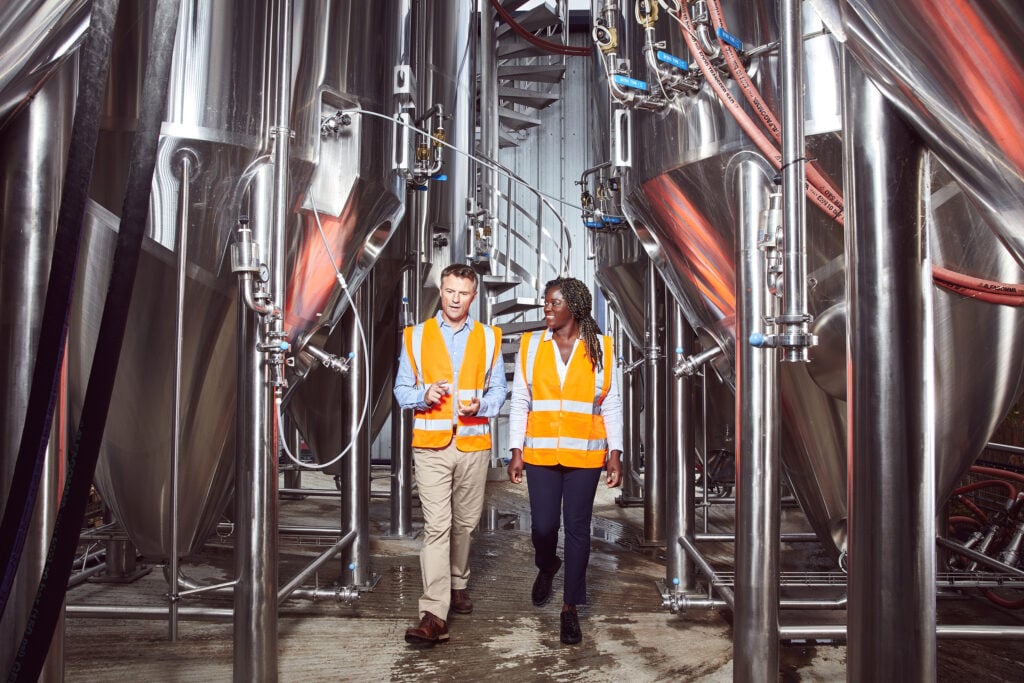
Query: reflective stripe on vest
point(562, 427)
point(432, 428)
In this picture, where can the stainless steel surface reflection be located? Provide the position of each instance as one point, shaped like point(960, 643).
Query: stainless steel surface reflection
point(217, 114)
point(681, 199)
point(955, 70)
point(37, 35)
point(134, 469)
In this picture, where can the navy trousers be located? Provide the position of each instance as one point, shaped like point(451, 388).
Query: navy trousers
point(558, 492)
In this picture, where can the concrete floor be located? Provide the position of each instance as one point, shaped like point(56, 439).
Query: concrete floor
point(627, 635)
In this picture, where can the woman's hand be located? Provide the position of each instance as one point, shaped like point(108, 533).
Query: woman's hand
point(614, 469)
point(515, 466)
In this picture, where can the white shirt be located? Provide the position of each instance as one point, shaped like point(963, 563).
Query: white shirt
point(519, 404)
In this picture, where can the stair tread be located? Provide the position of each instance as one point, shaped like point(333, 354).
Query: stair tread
point(522, 326)
point(499, 284)
point(533, 19)
point(534, 73)
point(515, 305)
point(529, 98)
point(511, 48)
point(516, 120)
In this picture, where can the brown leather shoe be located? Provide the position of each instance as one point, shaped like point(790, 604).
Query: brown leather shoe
point(431, 631)
point(461, 603)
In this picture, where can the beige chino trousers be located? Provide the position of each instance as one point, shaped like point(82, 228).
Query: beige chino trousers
point(451, 487)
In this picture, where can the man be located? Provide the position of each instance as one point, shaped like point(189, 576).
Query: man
point(450, 372)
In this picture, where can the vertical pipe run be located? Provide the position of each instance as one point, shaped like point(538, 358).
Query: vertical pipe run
point(185, 171)
point(890, 388)
point(255, 595)
point(255, 621)
point(654, 411)
point(632, 485)
point(679, 569)
point(489, 110)
point(401, 433)
point(756, 607)
point(355, 466)
point(794, 314)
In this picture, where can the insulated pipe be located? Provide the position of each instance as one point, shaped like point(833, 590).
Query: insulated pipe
point(680, 575)
point(355, 467)
point(654, 411)
point(890, 388)
point(756, 614)
point(795, 317)
point(36, 150)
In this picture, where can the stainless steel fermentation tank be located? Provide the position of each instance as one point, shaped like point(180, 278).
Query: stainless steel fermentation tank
point(218, 116)
point(682, 196)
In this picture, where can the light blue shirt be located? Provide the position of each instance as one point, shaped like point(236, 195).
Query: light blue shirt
point(409, 395)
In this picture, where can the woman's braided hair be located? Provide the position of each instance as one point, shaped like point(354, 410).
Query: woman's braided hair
point(577, 298)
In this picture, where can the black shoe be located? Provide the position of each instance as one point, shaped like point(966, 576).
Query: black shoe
point(571, 633)
point(542, 585)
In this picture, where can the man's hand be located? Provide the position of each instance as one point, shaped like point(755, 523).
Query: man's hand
point(469, 407)
point(436, 391)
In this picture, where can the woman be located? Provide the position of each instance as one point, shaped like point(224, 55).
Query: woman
point(565, 424)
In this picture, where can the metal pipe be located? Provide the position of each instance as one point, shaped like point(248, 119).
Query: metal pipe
point(890, 388)
point(489, 109)
point(632, 484)
point(83, 576)
point(260, 378)
point(680, 575)
point(1005, 447)
point(292, 585)
point(946, 631)
point(401, 440)
point(709, 571)
point(654, 410)
point(980, 558)
point(756, 617)
point(355, 470)
point(185, 172)
point(796, 537)
point(135, 612)
point(795, 317)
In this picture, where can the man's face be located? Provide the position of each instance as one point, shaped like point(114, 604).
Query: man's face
point(457, 293)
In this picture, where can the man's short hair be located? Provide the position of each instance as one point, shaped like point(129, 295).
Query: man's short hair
point(460, 270)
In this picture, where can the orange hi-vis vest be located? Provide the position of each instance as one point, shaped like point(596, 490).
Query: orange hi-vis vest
point(428, 355)
point(564, 425)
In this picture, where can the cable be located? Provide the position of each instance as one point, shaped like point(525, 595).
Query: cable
point(815, 175)
point(49, 355)
point(366, 357)
point(557, 48)
point(85, 446)
point(714, 79)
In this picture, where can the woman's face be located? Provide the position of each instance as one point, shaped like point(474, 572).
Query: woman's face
point(556, 310)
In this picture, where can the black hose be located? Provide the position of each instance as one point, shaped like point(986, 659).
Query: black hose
point(24, 489)
point(85, 447)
